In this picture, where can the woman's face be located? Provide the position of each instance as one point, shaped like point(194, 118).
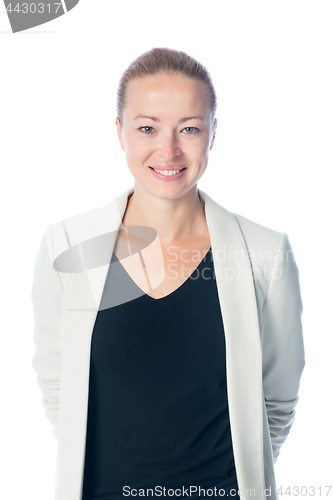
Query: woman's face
point(167, 124)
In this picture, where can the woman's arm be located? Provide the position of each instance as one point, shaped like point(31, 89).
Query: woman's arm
point(283, 350)
point(46, 296)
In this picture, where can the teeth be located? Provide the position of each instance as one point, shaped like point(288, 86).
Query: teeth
point(166, 172)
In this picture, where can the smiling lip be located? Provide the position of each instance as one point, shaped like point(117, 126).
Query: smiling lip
point(168, 177)
point(167, 167)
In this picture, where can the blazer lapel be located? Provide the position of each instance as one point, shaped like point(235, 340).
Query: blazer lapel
point(83, 295)
point(243, 349)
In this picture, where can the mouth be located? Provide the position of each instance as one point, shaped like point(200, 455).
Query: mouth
point(168, 172)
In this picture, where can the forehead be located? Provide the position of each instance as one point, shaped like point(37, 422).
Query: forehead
point(162, 92)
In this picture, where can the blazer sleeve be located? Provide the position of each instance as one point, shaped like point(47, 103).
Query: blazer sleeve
point(47, 296)
point(283, 349)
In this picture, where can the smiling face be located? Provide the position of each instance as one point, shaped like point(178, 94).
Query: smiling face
point(167, 124)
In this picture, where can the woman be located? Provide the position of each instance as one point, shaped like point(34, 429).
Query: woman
point(168, 331)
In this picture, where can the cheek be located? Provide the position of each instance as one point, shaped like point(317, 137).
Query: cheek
point(200, 150)
point(199, 146)
point(138, 153)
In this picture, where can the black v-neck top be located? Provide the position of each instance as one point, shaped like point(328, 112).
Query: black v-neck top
point(158, 408)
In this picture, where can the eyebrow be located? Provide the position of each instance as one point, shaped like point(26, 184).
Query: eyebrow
point(182, 120)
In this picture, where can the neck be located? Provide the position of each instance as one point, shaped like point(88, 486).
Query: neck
point(175, 220)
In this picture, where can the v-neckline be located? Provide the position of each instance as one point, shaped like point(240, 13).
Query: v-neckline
point(172, 294)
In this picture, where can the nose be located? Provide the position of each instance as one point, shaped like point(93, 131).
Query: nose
point(169, 146)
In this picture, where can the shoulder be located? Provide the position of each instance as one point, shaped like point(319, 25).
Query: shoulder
point(272, 261)
point(79, 219)
point(254, 234)
point(270, 252)
point(103, 217)
point(257, 235)
point(267, 247)
point(73, 227)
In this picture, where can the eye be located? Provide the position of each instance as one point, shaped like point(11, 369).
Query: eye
point(144, 129)
point(190, 130)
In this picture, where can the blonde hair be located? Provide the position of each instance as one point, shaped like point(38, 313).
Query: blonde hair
point(164, 60)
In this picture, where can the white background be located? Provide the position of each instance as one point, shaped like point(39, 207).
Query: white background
point(271, 63)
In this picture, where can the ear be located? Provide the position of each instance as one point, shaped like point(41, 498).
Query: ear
point(120, 133)
point(214, 134)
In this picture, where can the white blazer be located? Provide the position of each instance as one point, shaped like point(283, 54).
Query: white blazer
point(258, 289)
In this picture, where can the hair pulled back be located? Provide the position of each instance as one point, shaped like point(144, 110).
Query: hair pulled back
point(166, 60)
